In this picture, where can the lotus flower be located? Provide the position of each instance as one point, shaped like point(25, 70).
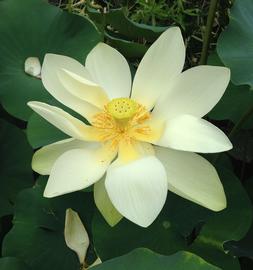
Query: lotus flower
point(141, 136)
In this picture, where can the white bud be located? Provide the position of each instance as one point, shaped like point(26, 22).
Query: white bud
point(75, 235)
point(33, 66)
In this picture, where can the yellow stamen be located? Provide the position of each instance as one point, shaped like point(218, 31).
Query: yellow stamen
point(121, 121)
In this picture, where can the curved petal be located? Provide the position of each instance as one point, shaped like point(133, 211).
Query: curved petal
point(104, 204)
point(83, 88)
point(161, 63)
point(110, 70)
point(195, 91)
point(138, 189)
point(77, 169)
point(193, 178)
point(189, 133)
point(64, 121)
point(44, 159)
point(52, 64)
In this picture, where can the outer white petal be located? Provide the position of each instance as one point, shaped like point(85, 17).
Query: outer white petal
point(193, 134)
point(44, 159)
point(75, 234)
point(63, 121)
point(195, 91)
point(104, 204)
point(110, 70)
point(83, 88)
point(193, 177)
point(49, 75)
point(138, 189)
point(161, 63)
point(77, 169)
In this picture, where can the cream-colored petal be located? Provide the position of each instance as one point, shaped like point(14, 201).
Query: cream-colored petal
point(75, 234)
point(83, 88)
point(110, 70)
point(104, 204)
point(64, 121)
point(195, 91)
point(52, 64)
point(189, 133)
point(161, 63)
point(44, 159)
point(77, 169)
point(138, 189)
point(193, 178)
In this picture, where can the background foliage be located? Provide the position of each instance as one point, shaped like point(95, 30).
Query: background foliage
point(185, 235)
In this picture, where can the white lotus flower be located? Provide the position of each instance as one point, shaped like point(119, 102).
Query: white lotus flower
point(142, 139)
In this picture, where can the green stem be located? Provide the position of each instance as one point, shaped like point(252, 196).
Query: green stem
point(236, 128)
point(240, 123)
point(208, 30)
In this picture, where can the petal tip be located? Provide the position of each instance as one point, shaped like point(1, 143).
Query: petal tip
point(50, 195)
point(220, 206)
point(227, 145)
point(30, 103)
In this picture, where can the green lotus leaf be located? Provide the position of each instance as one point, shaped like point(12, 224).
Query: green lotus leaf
point(129, 49)
point(236, 101)
point(15, 168)
point(11, 263)
point(144, 259)
point(117, 19)
point(37, 236)
point(235, 43)
point(244, 247)
point(32, 28)
point(40, 132)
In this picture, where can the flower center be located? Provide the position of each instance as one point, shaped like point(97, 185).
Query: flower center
point(122, 120)
point(122, 108)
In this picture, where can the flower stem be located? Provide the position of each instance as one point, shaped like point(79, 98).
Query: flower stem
point(208, 30)
point(240, 123)
point(234, 130)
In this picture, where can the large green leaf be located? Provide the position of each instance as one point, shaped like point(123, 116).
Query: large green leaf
point(127, 36)
point(40, 132)
point(37, 236)
point(171, 230)
point(144, 259)
point(236, 101)
point(15, 168)
point(244, 247)
point(117, 19)
point(11, 263)
point(129, 49)
point(34, 28)
point(235, 43)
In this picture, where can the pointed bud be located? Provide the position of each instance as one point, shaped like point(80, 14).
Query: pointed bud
point(75, 234)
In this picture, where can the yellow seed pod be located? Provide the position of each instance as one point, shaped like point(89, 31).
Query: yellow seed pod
point(122, 108)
